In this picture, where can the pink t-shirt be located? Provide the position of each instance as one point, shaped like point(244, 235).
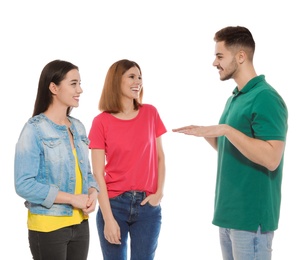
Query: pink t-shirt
point(130, 149)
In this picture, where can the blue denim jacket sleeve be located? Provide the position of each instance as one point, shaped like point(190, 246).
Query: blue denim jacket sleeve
point(28, 153)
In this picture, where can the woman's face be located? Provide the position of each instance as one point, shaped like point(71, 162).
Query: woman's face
point(67, 93)
point(131, 83)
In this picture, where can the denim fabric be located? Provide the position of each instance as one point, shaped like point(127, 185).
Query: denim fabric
point(44, 164)
point(248, 245)
point(69, 243)
point(141, 224)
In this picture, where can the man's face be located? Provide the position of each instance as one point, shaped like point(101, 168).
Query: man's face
point(225, 62)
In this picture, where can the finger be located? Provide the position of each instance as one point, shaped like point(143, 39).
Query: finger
point(113, 240)
point(89, 202)
point(143, 202)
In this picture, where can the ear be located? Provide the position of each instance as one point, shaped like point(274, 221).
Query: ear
point(53, 88)
point(241, 56)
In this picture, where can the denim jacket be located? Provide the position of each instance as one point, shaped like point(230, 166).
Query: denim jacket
point(44, 164)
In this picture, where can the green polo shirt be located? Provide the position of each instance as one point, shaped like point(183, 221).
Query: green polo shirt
point(247, 194)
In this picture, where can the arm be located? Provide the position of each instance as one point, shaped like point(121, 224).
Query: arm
point(193, 130)
point(265, 153)
point(92, 200)
point(212, 141)
point(111, 227)
point(79, 201)
point(155, 199)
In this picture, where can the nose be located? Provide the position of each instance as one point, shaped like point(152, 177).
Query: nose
point(79, 89)
point(215, 62)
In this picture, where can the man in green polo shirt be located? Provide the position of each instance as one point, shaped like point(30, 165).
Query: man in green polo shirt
point(250, 140)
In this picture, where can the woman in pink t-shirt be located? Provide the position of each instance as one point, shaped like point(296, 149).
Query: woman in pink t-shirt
point(128, 164)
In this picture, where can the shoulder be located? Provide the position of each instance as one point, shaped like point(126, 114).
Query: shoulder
point(266, 93)
point(148, 107)
point(76, 123)
point(263, 86)
point(37, 123)
point(149, 111)
point(38, 119)
point(102, 116)
point(102, 119)
point(33, 127)
point(268, 101)
point(75, 120)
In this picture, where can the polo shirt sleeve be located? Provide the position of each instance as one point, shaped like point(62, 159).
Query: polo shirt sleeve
point(269, 117)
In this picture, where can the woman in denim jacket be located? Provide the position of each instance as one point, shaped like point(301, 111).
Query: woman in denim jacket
point(52, 168)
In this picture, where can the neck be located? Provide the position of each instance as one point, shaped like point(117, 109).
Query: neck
point(57, 118)
point(244, 77)
point(128, 111)
point(128, 108)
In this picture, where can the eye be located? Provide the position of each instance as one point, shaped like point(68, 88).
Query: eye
point(75, 83)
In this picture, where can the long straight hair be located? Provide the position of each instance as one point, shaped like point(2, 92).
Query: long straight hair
point(55, 71)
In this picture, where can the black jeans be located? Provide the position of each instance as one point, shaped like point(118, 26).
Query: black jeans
point(69, 243)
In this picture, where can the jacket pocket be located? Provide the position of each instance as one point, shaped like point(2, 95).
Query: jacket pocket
point(52, 149)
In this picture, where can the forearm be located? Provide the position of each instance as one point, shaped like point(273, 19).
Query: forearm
point(104, 203)
point(265, 153)
point(98, 163)
point(161, 168)
point(64, 198)
point(161, 178)
point(212, 141)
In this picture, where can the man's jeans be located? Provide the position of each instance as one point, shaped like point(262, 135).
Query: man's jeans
point(245, 245)
point(141, 223)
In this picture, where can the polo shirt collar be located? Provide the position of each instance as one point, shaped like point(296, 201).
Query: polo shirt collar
point(250, 84)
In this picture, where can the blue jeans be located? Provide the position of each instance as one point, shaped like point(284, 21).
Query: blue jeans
point(245, 245)
point(69, 243)
point(141, 223)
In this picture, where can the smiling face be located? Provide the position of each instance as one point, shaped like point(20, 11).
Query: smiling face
point(225, 62)
point(67, 93)
point(131, 83)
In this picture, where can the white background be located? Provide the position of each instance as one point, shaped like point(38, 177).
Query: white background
point(173, 43)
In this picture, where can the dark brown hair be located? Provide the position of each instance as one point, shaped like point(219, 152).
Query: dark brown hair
point(235, 38)
point(55, 71)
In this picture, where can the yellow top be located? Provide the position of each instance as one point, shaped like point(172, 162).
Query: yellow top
point(46, 223)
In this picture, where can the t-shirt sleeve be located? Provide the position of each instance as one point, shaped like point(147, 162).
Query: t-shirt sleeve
point(160, 127)
point(96, 134)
